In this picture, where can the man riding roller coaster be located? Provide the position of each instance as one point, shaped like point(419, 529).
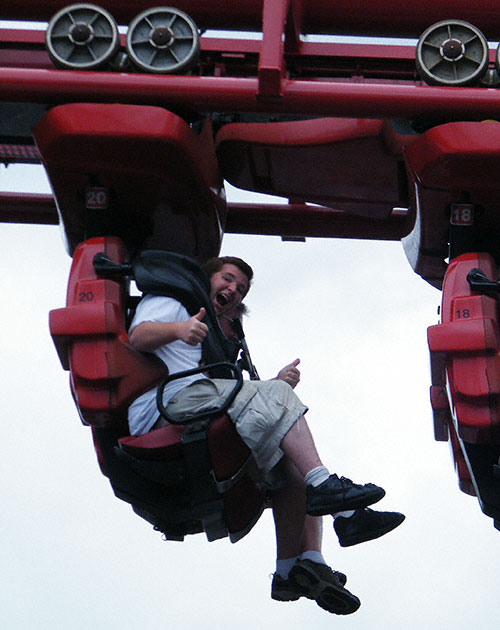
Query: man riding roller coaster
point(270, 419)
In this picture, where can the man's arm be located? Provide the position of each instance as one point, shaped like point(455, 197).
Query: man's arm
point(149, 336)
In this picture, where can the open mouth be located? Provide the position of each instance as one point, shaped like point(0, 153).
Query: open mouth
point(222, 299)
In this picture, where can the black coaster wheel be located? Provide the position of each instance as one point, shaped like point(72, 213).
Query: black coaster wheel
point(82, 37)
point(452, 53)
point(163, 40)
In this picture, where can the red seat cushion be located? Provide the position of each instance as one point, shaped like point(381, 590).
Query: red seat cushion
point(159, 444)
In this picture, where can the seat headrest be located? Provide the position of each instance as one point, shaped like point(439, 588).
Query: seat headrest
point(166, 273)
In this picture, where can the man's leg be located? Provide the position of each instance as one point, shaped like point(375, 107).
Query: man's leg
point(325, 493)
point(298, 543)
point(290, 519)
point(289, 512)
point(312, 534)
point(298, 445)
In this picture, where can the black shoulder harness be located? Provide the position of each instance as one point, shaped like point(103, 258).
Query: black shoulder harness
point(165, 273)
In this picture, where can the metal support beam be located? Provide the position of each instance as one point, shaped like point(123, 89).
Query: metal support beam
point(406, 100)
point(271, 62)
point(288, 220)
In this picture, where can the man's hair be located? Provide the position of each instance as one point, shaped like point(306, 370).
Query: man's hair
point(215, 264)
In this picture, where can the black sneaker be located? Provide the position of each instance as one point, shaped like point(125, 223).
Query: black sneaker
point(337, 494)
point(286, 590)
point(365, 525)
point(318, 582)
point(282, 590)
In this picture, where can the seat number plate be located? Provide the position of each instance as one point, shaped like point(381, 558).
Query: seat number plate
point(462, 214)
point(96, 198)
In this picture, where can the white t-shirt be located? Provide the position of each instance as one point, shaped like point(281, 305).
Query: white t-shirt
point(177, 356)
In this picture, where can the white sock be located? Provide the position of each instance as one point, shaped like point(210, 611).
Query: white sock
point(346, 514)
point(315, 556)
point(284, 565)
point(316, 476)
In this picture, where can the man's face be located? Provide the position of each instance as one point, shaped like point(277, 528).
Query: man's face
point(228, 287)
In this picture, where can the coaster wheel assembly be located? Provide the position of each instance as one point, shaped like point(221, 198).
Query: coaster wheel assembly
point(163, 40)
point(452, 53)
point(82, 37)
point(497, 60)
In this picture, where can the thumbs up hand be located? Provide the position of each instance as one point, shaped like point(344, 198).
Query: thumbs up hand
point(193, 331)
point(290, 373)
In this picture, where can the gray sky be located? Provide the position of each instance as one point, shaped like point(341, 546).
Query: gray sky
point(74, 556)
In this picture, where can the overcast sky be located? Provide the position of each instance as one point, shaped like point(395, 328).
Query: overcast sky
point(74, 556)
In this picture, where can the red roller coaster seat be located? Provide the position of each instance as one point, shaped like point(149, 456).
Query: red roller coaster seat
point(469, 338)
point(90, 336)
point(349, 164)
point(465, 390)
point(159, 180)
point(152, 471)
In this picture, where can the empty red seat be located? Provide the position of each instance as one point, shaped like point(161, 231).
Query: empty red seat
point(345, 163)
point(467, 346)
point(158, 183)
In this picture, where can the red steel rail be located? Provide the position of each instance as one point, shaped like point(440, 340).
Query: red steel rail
point(287, 220)
point(219, 94)
point(353, 17)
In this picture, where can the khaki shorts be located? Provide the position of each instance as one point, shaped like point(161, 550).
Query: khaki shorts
point(263, 412)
